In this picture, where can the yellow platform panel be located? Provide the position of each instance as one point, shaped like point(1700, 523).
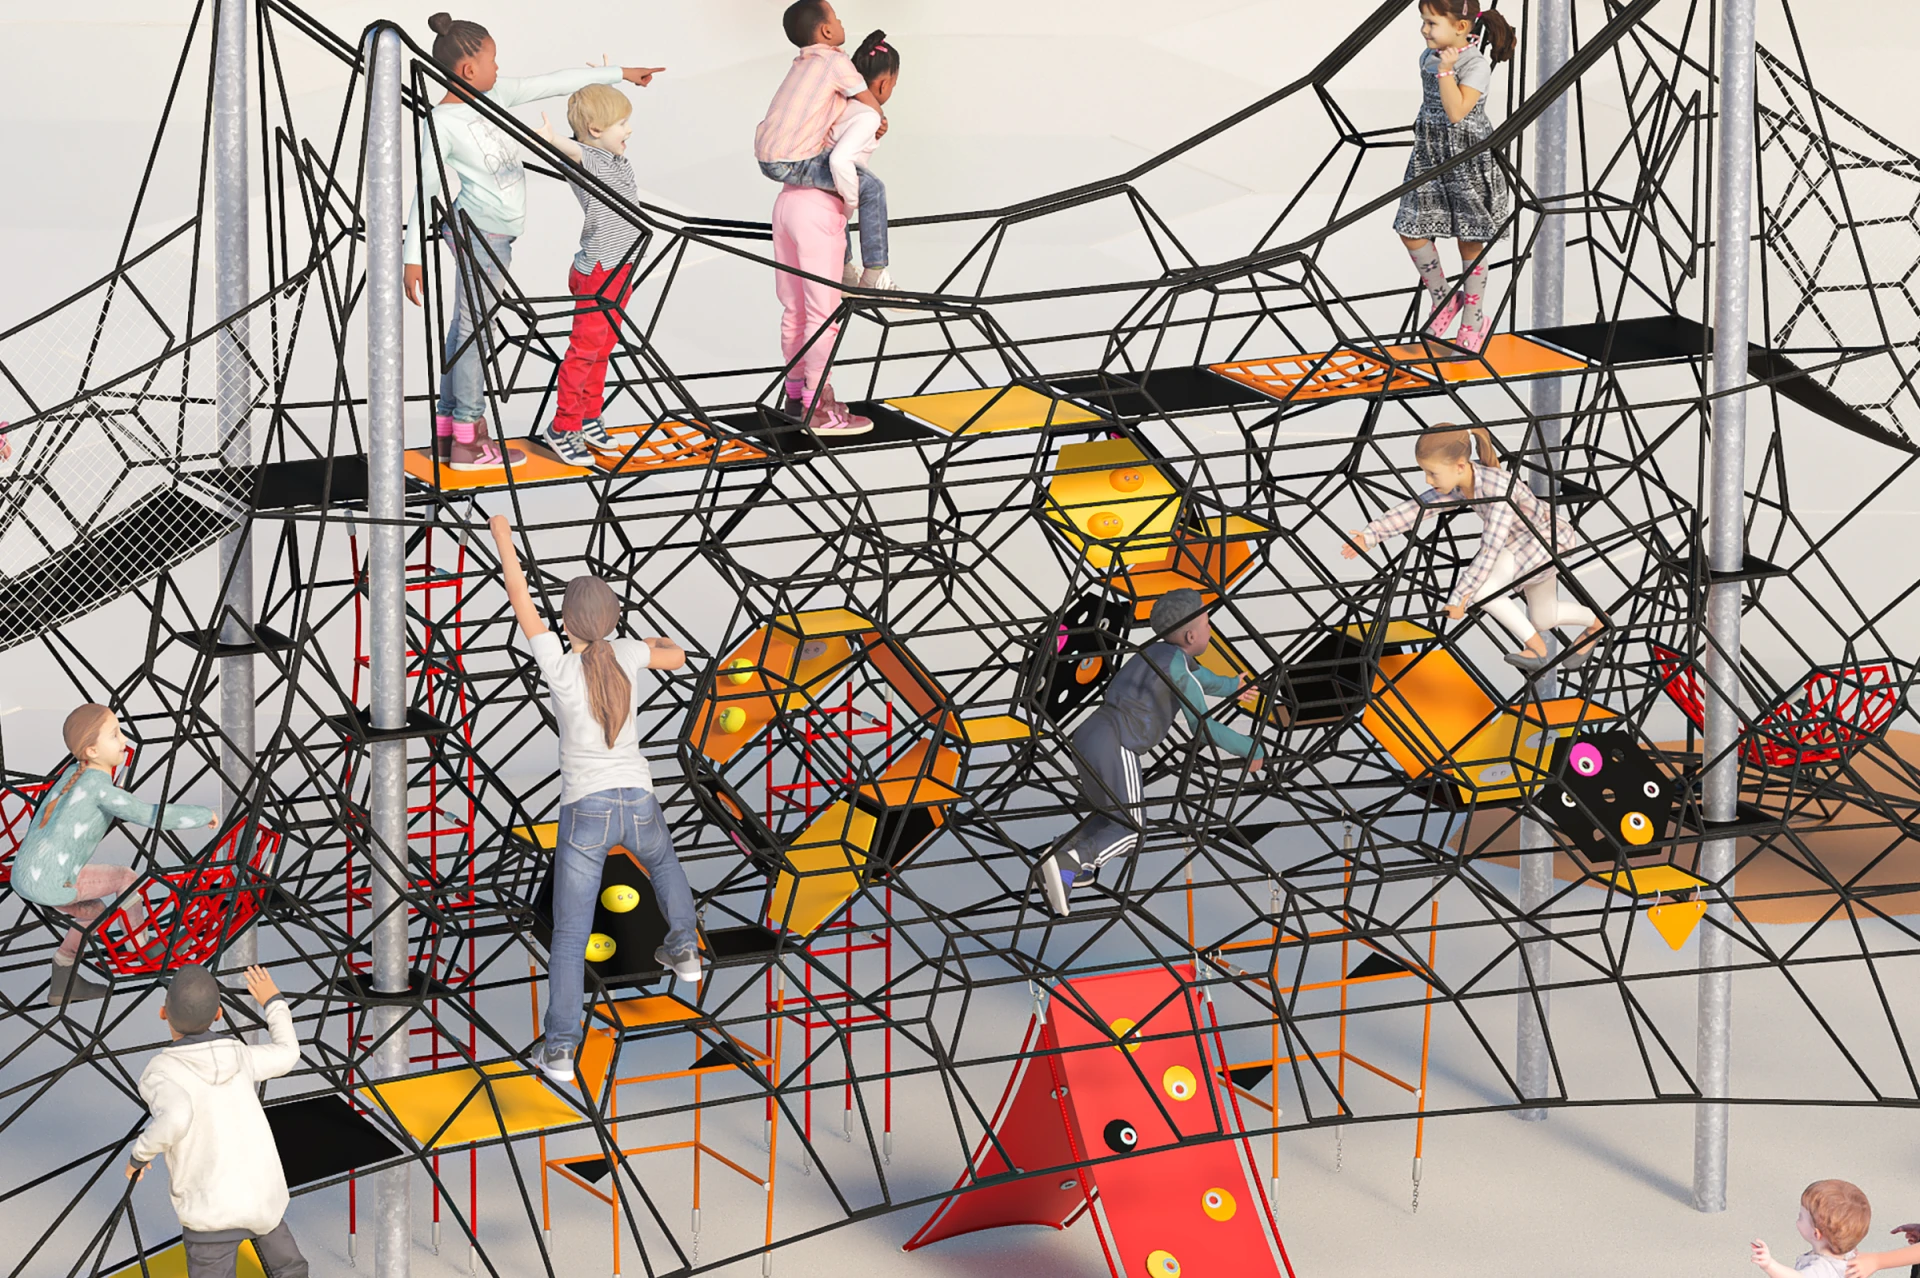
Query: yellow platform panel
point(1112, 504)
point(784, 671)
point(171, 1262)
point(904, 674)
point(823, 623)
point(425, 1103)
point(826, 859)
point(980, 412)
point(654, 1009)
point(672, 446)
point(902, 784)
point(1207, 559)
point(544, 835)
point(540, 467)
point(1505, 355)
point(1653, 880)
point(1397, 632)
point(989, 729)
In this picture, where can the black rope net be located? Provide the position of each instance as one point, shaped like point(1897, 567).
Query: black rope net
point(909, 626)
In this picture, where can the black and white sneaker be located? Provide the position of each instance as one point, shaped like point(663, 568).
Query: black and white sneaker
point(566, 445)
point(593, 433)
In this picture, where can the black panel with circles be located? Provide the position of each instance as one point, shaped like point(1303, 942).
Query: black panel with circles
point(1608, 796)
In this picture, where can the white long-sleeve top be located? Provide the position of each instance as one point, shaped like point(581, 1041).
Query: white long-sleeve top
point(223, 1169)
point(493, 182)
point(850, 145)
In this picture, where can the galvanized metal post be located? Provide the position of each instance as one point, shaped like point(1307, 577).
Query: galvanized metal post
point(1533, 1066)
point(387, 619)
point(1726, 554)
point(233, 417)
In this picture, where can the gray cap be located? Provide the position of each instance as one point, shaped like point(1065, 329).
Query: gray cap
point(193, 996)
point(1175, 609)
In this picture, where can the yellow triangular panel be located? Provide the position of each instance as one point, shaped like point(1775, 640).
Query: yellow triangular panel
point(1676, 920)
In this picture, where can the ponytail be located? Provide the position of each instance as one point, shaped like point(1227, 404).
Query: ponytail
point(590, 612)
point(1497, 37)
point(1446, 442)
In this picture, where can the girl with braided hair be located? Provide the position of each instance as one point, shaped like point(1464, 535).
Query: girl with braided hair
point(54, 865)
point(606, 788)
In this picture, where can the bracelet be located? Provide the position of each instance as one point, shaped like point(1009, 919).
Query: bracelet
point(1443, 75)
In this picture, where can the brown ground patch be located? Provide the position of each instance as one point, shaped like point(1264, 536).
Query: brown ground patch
point(1776, 885)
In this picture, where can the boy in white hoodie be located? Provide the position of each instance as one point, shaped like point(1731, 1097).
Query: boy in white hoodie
point(222, 1166)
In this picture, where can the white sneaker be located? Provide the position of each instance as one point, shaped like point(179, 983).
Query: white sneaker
point(566, 445)
point(685, 965)
point(1055, 882)
point(557, 1068)
point(850, 275)
point(878, 279)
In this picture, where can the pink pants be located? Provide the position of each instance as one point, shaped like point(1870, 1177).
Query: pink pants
point(94, 889)
point(810, 233)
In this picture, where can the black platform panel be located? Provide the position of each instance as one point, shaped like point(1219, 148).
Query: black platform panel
point(1608, 796)
point(1159, 392)
point(1070, 671)
point(320, 1137)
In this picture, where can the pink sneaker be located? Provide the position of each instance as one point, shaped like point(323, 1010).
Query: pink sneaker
point(1443, 318)
point(831, 419)
point(1473, 337)
point(472, 450)
point(442, 438)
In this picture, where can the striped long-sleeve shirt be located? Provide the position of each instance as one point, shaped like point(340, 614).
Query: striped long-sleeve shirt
point(807, 104)
point(1512, 518)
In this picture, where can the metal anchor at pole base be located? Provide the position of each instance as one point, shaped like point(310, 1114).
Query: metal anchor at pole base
point(1416, 1184)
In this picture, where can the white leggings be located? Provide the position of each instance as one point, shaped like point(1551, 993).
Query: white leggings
point(1545, 608)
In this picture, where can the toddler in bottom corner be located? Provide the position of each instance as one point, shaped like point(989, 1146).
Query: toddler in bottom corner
point(1833, 1219)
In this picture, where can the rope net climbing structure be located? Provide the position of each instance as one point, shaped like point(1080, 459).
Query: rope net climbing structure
point(891, 639)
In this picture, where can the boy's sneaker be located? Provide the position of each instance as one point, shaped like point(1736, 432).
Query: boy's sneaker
point(1057, 880)
point(593, 433)
point(850, 275)
point(831, 419)
point(566, 445)
point(685, 964)
point(556, 1065)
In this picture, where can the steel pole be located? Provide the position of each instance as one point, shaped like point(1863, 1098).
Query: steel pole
point(233, 416)
point(1726, 555)
point(1533, 1066)
point(387, 619)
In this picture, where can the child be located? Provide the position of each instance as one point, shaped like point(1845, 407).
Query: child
point(52, 867)
point(485, 218)
point(1513, 519)
point(792, 145)
point(602, 121)
point(1865, 1264)
point(223, 1170)
point(1833, 1218)
point(1132, 719)
point(1469, 203)
point(606, 789)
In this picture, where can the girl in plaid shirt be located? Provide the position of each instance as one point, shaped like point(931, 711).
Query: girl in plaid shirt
point(1512, 551)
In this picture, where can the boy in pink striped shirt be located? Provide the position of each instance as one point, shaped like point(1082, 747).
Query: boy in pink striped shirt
point(791, 143)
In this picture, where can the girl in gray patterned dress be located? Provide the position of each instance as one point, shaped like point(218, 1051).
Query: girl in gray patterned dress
point(1469, 202)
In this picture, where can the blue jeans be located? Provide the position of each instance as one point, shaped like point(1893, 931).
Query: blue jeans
point(480, 271)
point(873, 201)
point(589, 828)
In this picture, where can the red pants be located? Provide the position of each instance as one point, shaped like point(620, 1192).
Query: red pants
point(599, 298)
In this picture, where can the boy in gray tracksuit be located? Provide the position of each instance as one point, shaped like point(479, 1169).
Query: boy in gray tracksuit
point(223, 1170)
point(1133, 718)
